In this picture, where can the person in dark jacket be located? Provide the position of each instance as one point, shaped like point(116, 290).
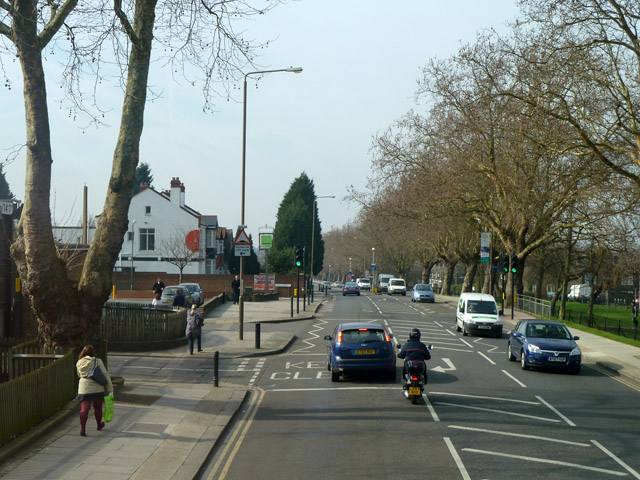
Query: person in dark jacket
point(414, 350)
point(235, 286)
point(158, 286)
point(178, 299)
point(195, 321)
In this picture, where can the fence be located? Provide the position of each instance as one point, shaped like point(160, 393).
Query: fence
point(603, 323)
point(30, 399)
point(5, 347)
point(140, 322)
point(533, 305)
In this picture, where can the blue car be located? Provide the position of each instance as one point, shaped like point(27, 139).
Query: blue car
point(544, 343)
point(360, 347)
point(422, 292)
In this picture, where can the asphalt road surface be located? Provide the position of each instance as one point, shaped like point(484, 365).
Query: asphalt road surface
point(482, 416)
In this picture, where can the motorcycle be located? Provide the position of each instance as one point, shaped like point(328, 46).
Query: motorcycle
point(414, 378)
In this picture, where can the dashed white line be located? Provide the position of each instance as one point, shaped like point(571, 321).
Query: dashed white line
point(486, 358)
point(554, 410)
point(620, 462)
point(519, 435)
point(483, 397)
point(432, 411)
point(514, 379)
point(456, 458)
point(503, 412)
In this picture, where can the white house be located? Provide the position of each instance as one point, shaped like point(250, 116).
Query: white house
point(162, 226)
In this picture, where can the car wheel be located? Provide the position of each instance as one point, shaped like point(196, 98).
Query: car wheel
point(392, 375)
point(458, 329)
point(523, 361)
point(464, 330)
point(510, 355)
point(328, 365)
point(575, 370)
point(413, 299)
point(344, 294)
point(404, 294)
point(335, 376)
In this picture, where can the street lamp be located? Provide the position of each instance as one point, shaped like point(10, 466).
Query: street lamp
point(373, 262)
point(244, 147)
point(350, 271)
point(313, 236)
point(133, 224)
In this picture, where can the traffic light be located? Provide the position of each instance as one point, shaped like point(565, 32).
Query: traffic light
point(514, 264)
point(504, 263)
point(298, 257)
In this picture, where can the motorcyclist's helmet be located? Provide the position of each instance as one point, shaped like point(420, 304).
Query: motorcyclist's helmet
point(415, 334)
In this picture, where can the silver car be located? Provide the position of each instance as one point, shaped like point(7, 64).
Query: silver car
point(169, 292)
point(422, 292)
point(196, 292)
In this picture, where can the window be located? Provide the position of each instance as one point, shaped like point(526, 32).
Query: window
point(129, 236)
point(209, 266)
point(147, 210)
point(211, 238)
point(147, 238)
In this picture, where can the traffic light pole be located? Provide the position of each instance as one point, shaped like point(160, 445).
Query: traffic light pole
point(304, 278)
point(298, 293)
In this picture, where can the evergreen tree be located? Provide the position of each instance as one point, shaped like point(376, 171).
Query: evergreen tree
point(251, 263)
point(5, 191)
point(143, 174)
point(294, 226)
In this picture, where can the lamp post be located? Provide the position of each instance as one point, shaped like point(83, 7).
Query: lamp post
point(244, 148)
point(313, 236)
point(373, 262)
point(133, 224)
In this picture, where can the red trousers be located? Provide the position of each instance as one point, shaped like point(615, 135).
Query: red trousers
point(84, 412)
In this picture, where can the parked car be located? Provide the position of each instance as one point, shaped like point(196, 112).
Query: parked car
point(360, 347)
point(544, 343)
point(351, 288)
point(169, 292)
point(326, 285)
point(422, 292)
point(337, 284)
point(196, 292)
point(397, 285)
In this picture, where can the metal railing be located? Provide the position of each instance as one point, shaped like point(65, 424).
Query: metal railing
point(124, 321)
point(533, 305)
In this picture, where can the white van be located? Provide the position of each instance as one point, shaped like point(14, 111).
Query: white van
point(383, 282)
point(397, 285)
point(478, 313)
point(364, 283)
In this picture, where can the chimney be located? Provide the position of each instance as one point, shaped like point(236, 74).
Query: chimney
point(177, 192)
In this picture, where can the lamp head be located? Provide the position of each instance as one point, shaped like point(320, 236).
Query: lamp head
point(294, 69)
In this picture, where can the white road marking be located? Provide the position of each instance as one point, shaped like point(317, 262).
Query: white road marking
point(432, 411)
point(310, 342)
point(456, 458)
point(466, 343)
point(501, 399)
point(450, 366)
point(327, 389)
point(554, 410)
point(487, 358)
point(520, 435)
point(620, 462)
point(503, 412)
point(544, 460)
point(438, 324)
point(514, 379)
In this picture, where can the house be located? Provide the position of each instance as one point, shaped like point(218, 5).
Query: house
point(164, 230)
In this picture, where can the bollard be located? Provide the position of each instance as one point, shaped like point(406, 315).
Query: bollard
point(257, 335)
point(216, 357)
point(291, 307)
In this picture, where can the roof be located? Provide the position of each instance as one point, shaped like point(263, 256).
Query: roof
point(483, 297)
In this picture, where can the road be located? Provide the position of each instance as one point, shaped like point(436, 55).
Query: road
point(482, 416)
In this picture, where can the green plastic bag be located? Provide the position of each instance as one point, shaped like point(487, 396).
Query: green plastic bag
point(108, 411)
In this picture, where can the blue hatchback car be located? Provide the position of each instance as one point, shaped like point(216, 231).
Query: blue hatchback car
point(422, 292)
point(544, 343)
point(360, 347)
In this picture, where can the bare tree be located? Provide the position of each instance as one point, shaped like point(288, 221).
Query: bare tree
point(180, 249)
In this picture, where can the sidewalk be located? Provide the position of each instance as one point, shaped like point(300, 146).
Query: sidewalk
point(161, 430)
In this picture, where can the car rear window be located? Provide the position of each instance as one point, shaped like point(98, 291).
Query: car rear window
point(478, 306)
point(397, 282)
point(362, 336)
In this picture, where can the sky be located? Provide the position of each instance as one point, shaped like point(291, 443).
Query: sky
point(361, 61)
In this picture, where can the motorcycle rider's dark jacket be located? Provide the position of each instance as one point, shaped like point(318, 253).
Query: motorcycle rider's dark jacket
point(414, 350)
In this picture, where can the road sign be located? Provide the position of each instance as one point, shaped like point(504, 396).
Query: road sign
point(373, 268)
point(351, 274)
point(6, 208)
point(242, 238)
point(242, 250)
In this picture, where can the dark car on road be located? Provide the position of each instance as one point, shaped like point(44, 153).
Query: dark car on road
point(360, 347)
point(544, 343)
point(351, 288)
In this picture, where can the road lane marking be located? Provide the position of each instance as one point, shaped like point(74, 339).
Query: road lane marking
point(466, 343)
point(501, 399)
point(310, 342)
point(450, 366)
point(620, 462)
point(457, 459)
point(554, 410)
point(503, 412)
point(514, 379)
point(487, 358)
point(327, 389)
point(520, 435)
point(544, 460)
point(432, 410)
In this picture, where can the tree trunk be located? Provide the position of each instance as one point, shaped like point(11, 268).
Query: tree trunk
point(426, 271)
point(469, 277)
point(565, 276)
point(450, 266)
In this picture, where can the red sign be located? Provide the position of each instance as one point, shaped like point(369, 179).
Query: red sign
point(192, 240)
point(259, 283)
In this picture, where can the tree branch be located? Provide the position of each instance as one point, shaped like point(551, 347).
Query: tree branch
point(57, 20)
point(124, 21)
point(5, 30)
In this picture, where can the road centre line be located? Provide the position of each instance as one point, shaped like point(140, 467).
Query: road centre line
point(544, 402)
point(327, 389)
point(503, 412)
point(432, 410)
point(457, 459)
point(486, 358)
point(617, 460)
point(544, 460)
point(514, 379)
point(482, 397)
point(520, 435)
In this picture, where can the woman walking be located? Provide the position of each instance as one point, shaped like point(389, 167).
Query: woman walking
point(90, 391)
point(195, 320)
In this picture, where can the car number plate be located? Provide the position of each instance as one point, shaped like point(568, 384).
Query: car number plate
point(369, 351)
point(557, 359)
point(414, 391)
point(484, 326)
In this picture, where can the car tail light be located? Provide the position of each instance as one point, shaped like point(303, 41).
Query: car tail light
point(363, 329)
point(414, 378)
point(387, 338)
point(339, 339)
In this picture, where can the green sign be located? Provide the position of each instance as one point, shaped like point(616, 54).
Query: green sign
point(266, 241)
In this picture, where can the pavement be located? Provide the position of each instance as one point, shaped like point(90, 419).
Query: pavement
point(166, 430)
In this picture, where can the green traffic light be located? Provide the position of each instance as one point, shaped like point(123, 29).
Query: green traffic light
point(298, 264)
point(513, 270)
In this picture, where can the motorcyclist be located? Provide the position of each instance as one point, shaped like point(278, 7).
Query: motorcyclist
point(414, 351)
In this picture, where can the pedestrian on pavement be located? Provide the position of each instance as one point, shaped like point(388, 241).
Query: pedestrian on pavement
point(634, 311)
point(158, 286)
point(195, 321)
point(235, 285)
point(178, 299)
point(90, 391)
point(156, 300)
